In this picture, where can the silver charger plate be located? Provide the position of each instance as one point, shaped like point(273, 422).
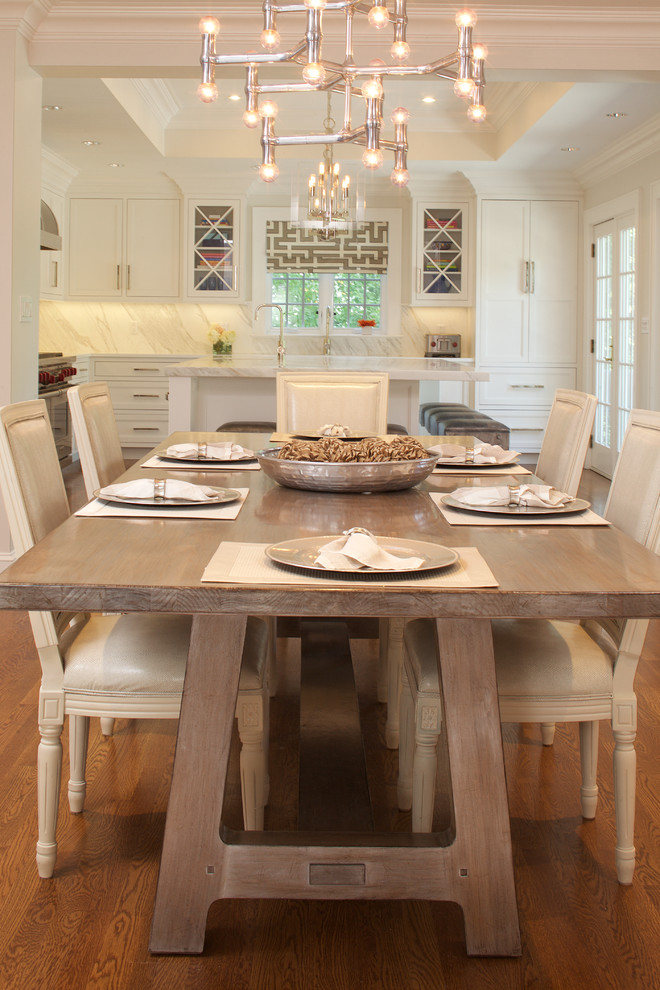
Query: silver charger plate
point(577, 505)
point(222, 495)
point(190, 458)
point(302, 554)
point(345, 476)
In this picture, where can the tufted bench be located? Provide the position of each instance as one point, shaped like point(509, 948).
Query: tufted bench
point(453, 419)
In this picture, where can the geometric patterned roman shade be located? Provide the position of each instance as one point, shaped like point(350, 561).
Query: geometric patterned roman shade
point(292, 249)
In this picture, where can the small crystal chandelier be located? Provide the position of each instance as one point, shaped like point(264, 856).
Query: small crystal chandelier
point(464, 67)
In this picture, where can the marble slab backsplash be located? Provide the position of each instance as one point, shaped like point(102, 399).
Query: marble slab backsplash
point(152, 328)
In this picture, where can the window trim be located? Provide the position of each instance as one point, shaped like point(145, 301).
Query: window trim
point(391, 298)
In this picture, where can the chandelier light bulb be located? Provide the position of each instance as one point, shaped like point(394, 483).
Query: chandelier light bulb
point(400, 50)
point(270, 38)
point(466, 18)
point(477, 113)
point(479, 51)
point(400, 116)
point(372, 89)
point(209, 25)
point(313, 73)
point(400, 176)
point(268, 172)
point(463, 87)
point(372, 158)
point(207, 92)
point(251, 118)
point(315, 4)
point(378, 16)
point(269, 109)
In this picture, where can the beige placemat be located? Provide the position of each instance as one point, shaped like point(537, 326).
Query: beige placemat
point(246, 563)
point(229, 510)
point(472, 472)
point(167, 465)
point(459, 517)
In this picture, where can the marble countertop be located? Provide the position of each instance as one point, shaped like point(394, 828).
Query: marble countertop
point(265, 366)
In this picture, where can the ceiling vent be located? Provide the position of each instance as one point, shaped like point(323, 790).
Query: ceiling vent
point(50, 234)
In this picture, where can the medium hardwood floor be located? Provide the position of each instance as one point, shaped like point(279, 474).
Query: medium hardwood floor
point(89, 925)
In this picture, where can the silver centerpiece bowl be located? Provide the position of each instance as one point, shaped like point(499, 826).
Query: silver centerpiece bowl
point(346, 476)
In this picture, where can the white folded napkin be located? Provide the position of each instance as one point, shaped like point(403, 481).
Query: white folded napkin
point(360, 551)
point(144, 488)
point(540, 496)
point(224, 451)
point(484, 453)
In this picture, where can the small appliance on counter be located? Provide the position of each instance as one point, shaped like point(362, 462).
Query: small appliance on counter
point(443, 345)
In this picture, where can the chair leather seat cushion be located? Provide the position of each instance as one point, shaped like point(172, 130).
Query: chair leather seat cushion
point(143, 653)
point(538, 658)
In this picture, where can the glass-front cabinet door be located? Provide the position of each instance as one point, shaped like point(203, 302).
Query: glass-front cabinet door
point(213, 255)
point(440, 275)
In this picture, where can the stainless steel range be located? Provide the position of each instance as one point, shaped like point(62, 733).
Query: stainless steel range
point(55, 374)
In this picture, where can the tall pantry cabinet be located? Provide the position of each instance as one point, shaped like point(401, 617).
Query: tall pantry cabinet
point(527, 311)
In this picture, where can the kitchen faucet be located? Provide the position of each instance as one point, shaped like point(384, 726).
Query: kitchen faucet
point(280, 343)
point(326, 339)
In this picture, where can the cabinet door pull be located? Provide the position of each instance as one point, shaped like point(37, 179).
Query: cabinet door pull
point(146, 429)
point(128, 276)
point(526, 386)
point(118, 276)
point(532, 285)
point(143, 369)
point(526, 276)
point(145, 395)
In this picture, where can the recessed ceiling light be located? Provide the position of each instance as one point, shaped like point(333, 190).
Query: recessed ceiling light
point(234, 96)
point(115, 165)
point(89, 144)
point(52, 106)
point(616, 113)
point(571, 147)
point(428, 99)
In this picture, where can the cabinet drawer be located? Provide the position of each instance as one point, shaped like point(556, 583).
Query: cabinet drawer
point(141, 429)
point(138, 395)
point(138, 367)
point(528, 388)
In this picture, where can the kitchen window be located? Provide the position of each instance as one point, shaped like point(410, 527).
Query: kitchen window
point(354, 285)
point(305, 298)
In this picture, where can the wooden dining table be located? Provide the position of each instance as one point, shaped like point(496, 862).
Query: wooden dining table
point(156, 565)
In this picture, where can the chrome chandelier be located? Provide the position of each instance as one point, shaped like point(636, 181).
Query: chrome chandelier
point(464, 67)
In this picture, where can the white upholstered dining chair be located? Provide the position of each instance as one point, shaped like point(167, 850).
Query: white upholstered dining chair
point(564, 671)
point(97, 435)
point(562, 456)
point(307, 400)
point(566, 440)
point(124, 666)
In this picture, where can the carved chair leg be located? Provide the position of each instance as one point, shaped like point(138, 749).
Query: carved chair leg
point(547, 733)
point(589, 761)
point(425, 766)
point(406, 745)
point(78, 737)
point(49, 773)
point(252, 725)
point(625, 769)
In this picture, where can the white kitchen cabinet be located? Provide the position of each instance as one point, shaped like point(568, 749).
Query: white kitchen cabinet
point(50, 275)
point(527, 311)
point(124, 248)
point(528, 298)
point(440, 238)
point(212, 249)
point(139, 391)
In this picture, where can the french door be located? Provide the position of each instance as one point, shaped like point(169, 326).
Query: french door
point(613, 344)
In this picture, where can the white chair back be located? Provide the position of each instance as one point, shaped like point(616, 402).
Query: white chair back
point(308, 400)
point(97, 435)
point(566, 440)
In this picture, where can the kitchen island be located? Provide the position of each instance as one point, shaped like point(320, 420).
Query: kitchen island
point(205, 393)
